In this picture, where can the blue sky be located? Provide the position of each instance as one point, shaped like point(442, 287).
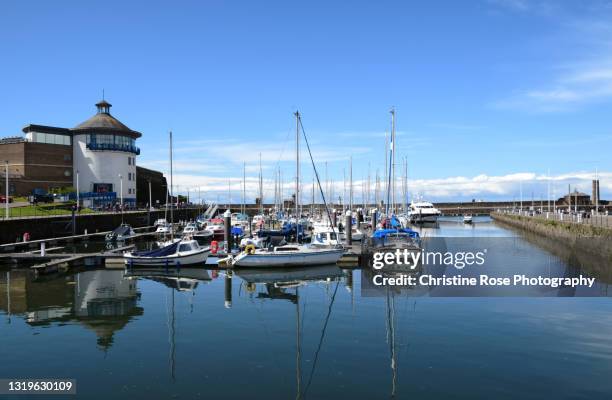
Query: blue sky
point(488, 93)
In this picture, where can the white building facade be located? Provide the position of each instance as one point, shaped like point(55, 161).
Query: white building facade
point(104, 157)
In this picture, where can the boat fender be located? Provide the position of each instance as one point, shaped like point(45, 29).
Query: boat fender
point(214, 247)
point(250, 249)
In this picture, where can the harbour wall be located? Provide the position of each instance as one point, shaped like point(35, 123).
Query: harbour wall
point(580, 238)
point(12, 230)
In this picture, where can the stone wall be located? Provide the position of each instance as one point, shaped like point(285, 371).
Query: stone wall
point(12, 230)
point(587, 238)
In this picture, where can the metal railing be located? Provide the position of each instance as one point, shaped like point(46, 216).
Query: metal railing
point(113, 147)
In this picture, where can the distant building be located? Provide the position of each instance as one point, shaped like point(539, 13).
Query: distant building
point(573, 198)
point(97, 157)
point(159, 187)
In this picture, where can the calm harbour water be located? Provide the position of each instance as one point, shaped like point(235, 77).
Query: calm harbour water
point(302, 334)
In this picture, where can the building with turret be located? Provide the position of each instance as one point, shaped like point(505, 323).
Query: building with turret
point(97, 158)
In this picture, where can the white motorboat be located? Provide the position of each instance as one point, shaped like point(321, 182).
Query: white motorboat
point(164, 229)
point(216, 227)
point(179, 253)
point(121, 233)
point(190, 229)
point(467, 219)
point(324, 236)
point(287, 256)
point(202, 235)
point(423, 211)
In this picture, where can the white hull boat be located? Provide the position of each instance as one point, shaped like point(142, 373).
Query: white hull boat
point(423, 211)
point(287, 256)
point(179, 253)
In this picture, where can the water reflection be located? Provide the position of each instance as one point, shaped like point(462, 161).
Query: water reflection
point(102, 300)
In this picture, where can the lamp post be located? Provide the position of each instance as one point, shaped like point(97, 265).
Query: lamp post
point(150, 197)
point(6, 184)
point(78, 199)
point(121, 195)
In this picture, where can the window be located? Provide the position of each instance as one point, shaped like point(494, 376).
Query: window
point(67, 157)
point(129, 160)
point(49, 138)
point(185, 247)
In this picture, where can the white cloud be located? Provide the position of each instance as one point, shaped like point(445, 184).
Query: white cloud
point(500, 187)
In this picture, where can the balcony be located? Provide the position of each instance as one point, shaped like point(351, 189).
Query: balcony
point(113, 147)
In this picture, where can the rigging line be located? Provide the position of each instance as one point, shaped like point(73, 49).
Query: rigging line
point(314, 364)
point(317, 176)
point(389, 180)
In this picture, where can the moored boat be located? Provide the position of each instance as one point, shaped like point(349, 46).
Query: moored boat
point(287, 256)
point(178, 253)
point(122, 232)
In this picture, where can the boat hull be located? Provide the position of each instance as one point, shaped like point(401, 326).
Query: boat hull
point(173, 260)
point(418, 219)
point(280, 260)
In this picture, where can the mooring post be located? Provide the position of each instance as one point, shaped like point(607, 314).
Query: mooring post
point(374, 220)
point(227, 230)
point(73, 220)
point(348, 228)
point(228, 290)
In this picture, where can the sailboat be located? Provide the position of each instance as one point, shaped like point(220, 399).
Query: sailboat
point(178, 252)
point(391, 235)
point(291, 255)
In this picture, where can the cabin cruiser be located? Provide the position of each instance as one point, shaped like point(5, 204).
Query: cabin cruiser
point(164, 229)
point(423, 211)
point(324, 236)
point(176, 253)
point(216, 227)
point(123, 232)
point(287, 256)
point(467, 219)
point(190, 229)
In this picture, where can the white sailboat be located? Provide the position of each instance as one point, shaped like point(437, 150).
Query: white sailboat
point(290, 255)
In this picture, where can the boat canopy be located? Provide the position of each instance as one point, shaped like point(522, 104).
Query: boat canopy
point(382, 233)
point(162, 252)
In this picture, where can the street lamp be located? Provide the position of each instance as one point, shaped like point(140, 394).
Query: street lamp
point(78, 199)
point(121, 194)
point(6, 199)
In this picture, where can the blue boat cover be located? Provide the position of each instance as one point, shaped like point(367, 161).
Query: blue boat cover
point(382, 233)
point(162, 252)
point(237, 231)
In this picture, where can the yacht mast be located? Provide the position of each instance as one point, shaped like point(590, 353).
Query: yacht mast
point(297, 164)
point(392, 160)
point(243, 208)
point(260, 187)
point(344, 189)
point(386, 166)
point(171, 212)
point(351, 183)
